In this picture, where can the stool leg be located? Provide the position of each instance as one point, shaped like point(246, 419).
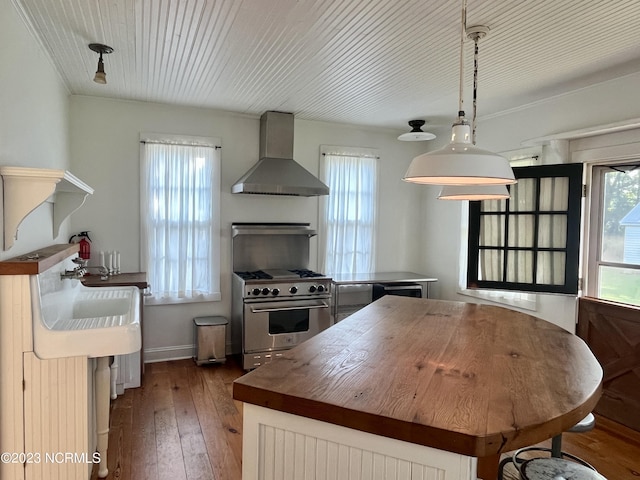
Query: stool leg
point(556, 446)
point(501, 466)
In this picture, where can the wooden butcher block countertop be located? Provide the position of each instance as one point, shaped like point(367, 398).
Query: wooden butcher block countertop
point(135, 279)
point(472, 379)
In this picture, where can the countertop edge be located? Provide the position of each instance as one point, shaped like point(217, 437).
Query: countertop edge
point(135, 279)
point(410, 432)
point(456, 442)
point(383, 277)
point(36, 262)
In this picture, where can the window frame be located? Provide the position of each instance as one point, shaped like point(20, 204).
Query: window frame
point(574, 172)
point(158, 297)
point(361, 152)
point(595, 225)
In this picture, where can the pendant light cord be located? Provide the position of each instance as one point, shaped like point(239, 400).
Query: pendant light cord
point(475, 87)
point(463, 32)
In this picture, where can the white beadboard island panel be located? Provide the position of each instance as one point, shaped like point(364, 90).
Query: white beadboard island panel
point(281, 446)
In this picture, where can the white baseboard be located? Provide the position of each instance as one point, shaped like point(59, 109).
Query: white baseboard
point(163, 354)
point(173, 352)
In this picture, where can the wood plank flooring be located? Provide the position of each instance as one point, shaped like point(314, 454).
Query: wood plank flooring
point(183, 424)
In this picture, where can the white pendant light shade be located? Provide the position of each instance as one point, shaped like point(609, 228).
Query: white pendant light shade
point(474, 192)
point(460, 163)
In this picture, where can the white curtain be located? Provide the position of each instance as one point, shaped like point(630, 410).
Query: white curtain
point(180, 212)
point(348, 213)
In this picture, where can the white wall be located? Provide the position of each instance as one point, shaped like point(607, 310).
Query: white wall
point(33, 121)
point(601, 104)
point(105, 154)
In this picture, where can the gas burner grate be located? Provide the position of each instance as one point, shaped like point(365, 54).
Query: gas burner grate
point(304, 273)
point(257, 275)
point(261, 275)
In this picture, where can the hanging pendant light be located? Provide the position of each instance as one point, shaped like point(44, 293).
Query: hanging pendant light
point(101, 76)
point(460, 162)
point(474, 192)
point(416, 134)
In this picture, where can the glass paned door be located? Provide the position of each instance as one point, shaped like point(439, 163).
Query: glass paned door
point(616, 273)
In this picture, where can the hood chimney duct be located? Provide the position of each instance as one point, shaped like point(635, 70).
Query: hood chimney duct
point(276, 173)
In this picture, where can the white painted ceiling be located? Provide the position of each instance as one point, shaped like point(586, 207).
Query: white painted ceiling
point(367, 62)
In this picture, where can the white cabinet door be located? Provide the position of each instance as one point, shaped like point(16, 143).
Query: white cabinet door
point(56, 420)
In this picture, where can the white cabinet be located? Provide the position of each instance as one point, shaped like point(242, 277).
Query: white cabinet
point(279, 445)
point(128, 372)
point(44, 404)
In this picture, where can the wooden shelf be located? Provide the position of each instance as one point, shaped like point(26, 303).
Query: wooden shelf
point(38, 261)
point(135, 279)
point(25, 189)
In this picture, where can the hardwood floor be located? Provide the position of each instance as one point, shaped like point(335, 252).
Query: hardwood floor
point(183, 424)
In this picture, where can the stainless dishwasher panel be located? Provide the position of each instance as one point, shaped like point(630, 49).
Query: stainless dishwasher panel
point(401, 289)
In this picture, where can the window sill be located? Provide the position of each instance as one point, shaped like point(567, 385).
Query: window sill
point(153, 301)
point(503, 298)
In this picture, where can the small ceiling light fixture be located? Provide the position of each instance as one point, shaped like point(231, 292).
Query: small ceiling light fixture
point(100, 77)
point(416, 134)
point(474, 192)
point(460, 162)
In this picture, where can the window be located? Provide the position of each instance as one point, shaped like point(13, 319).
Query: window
point(531, 241)
point(180, 213)
point(348, 213)
point(614, 269)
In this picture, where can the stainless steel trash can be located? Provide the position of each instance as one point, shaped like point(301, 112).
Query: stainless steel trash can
point(211, 333)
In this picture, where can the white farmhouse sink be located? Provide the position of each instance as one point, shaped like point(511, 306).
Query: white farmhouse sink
point(84, 321)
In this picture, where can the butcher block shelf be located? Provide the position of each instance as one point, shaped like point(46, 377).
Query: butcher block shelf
point(476, 380)
point(135, 279)
point(36, 262)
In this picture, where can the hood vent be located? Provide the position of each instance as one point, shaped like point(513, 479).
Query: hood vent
point(276, 173)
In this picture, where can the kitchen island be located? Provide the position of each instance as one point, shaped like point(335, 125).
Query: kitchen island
point(415, 387)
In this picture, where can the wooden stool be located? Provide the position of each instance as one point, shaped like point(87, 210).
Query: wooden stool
point(538, 470)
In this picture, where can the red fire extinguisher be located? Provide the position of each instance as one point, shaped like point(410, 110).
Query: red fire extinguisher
point(85, 244)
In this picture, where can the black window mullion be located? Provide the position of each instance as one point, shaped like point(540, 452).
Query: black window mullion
point(571, 269)
point(536, 224)
point(473, 242)
point(505, 249)
point(574, 173)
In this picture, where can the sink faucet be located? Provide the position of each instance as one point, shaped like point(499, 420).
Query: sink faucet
point(76, 273)
point(82, 268)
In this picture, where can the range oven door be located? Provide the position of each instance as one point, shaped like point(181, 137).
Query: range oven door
point(283, 324)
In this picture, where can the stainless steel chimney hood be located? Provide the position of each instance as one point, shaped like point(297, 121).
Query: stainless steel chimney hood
point(276, 173)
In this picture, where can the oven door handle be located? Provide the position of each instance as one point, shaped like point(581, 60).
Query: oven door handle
point(280, 309)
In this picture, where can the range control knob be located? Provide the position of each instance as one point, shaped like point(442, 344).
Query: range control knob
point(312, 288)
point(256, 291)
point(320, 288)
point(265, 291)
point(293, 290)
point(275, 291)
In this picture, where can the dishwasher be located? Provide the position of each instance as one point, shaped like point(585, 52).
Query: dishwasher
point(403, 289)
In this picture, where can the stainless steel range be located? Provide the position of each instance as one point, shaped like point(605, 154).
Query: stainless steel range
point(277, 301)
